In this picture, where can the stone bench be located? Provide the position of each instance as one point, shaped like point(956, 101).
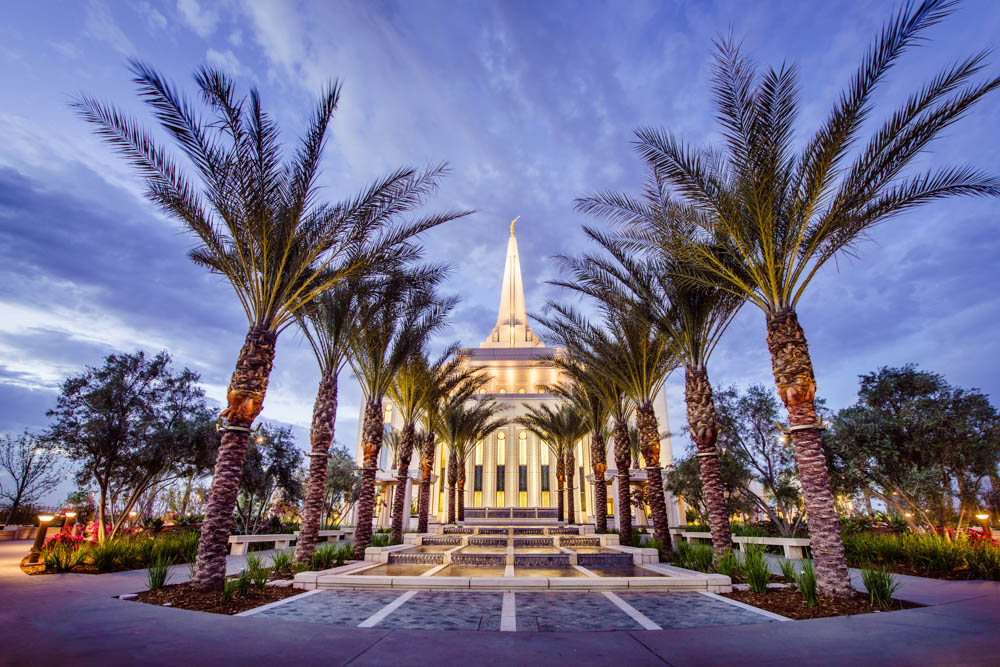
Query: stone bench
point(241, 543)
point(792, 546)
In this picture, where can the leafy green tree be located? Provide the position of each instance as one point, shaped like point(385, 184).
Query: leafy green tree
point(749, 431)
point(270, 473)
point(131, 424)
point(917, 443)
point(258, 224)
point(343, 485)
point(684, 480)
point(770, 210)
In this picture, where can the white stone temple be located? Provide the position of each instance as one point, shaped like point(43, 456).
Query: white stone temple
point(513, 467)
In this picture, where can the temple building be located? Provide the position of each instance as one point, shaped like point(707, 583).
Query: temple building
point(513, 467)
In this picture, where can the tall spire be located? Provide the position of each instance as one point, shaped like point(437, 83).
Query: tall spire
point(512, 328)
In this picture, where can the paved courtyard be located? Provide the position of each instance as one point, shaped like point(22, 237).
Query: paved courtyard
point(74, 619)
point(524, 612)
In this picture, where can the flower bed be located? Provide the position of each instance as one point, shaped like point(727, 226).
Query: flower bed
point(790, 603)
point(947, 555)
point(186, 596)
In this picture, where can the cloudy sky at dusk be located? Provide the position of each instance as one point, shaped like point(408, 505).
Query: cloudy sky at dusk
point(532, 104)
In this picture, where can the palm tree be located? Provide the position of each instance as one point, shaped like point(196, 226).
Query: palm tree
point(327, 323)
point(257, 223)
point(692, 317)
point(411, 388)
point(588, 393)
point(775, 215)
point(561, 428)
point(594, 352)
point(464, 422)
point(639, 361)
point(397, 322)
point(449, 382)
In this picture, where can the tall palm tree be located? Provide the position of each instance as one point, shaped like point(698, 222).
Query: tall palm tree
point(396, 323)
point(692, 317)
point(327, 323)
point(639, 361)
point(464, 422)
point(561, 428)
point(593, 350)
point(411, 387)
point(775, 215)
point(257, 223)
point(587, 392)
point(449, 382)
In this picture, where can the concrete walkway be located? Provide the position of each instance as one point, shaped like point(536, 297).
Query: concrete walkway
point(73, 619)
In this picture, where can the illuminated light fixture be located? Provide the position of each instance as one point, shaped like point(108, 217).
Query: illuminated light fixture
point(982, 517)
point(69, 515)
point(45, 518)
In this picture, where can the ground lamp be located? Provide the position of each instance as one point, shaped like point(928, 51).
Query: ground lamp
point(43, 525)
point(132, 515)
point(985, 520)
point(70, 518)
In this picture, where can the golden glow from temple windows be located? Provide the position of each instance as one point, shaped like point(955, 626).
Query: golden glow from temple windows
point(521, 390)
point(501, 448)
point(522, 448)
point(545, 454)
point(388, 414)
point(546, 499)
point(501, 390)
point(479, 453)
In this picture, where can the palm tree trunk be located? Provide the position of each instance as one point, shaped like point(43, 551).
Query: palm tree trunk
point(460, 493)
point(598, 459)
point(793, 375)
point(426, 468)
point(704, 426)
point(452, 480)
point(371, 435)
point(570, 495)
point(402, 475)
point(561, 481)
point(245, 401)
point(623, 461)
point(320, 436)
point(649, 439)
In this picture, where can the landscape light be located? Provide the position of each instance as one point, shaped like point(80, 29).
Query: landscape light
point(907, 514)
point(70, 515)
point(36, 549)
point(133, 514)
point(982, 517)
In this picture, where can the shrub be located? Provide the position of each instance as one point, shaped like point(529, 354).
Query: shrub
point(729, 565)
point(158, 571)
point(62, 557)
point(299, 567)
point(695, 556)
point(984, 561)
point(228, 588)
point(281, 562)
point(325, 557)
point(256, 572)
point(380, 540)
point(787, 570)
point(344, 551)
point(654, 543)
point(881, 585)
point(755, 570)
point(243, 583)
point(805, 581)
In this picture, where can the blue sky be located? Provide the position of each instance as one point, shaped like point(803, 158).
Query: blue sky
point(532, 104)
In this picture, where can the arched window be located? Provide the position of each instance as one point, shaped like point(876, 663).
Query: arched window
point(501, 390)
point(521, 390)
point(388, 414)
point(501, 467)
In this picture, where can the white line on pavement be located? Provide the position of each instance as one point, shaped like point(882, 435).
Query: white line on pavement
point(737, 603)
point(292, 598)
point(377, 617)
point(636, 615)
point(508, 615)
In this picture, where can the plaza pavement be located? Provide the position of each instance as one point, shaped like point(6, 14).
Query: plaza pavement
point(73, 619)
